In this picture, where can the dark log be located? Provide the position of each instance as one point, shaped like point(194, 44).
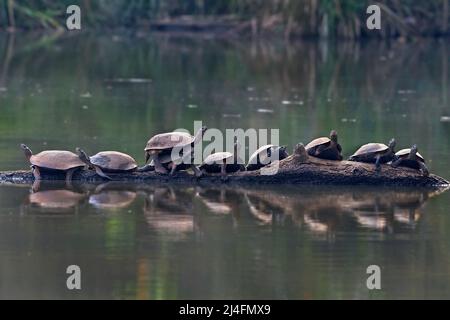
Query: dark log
point(294, 170)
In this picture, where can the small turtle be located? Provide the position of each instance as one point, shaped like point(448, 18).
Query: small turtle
point(159, 148)
point(325, 148)
point(263, 156)
point(53, 161)
point(410, 158)
point(108, 161)
point(377, 153)
point(223, 162)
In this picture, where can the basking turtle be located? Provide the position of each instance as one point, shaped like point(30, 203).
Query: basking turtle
point(108, 161)
point(263, 156)
point(223, 162)
point(325, 148)
point(53, 161)
point(159, 148)
point(410, 158)
point(377, 153)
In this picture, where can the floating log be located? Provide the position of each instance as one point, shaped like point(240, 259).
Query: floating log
point(297, 169)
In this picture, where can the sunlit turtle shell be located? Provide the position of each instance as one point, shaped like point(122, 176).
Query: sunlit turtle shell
point(56, 160)
point(114, 161)
point(168, 140)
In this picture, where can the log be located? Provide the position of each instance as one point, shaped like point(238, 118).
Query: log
point(297, 169)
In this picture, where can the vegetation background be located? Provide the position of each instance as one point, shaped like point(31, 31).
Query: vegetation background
point(306, 18)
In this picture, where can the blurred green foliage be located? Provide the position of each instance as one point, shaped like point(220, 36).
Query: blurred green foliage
point(343, 18)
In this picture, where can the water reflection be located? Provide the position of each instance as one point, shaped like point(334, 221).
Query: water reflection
point(112, 196)
point(53, 198)
point(178, 210)
point(184, 242)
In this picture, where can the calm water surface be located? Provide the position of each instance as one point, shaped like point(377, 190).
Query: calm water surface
point(114, 91)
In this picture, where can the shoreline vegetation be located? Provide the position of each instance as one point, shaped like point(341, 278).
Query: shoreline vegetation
point(288, 18)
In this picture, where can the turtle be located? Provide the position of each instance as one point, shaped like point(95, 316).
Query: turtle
point(325, 148)
point(410, 158)
point(263, 156)
point(53, 161)
point(159, 148)
point(108, 161)
point(377, 153)
point(223, 162)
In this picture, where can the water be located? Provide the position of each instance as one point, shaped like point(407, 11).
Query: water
point(114, 91)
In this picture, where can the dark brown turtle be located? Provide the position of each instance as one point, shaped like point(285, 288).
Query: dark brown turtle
point(223, 162)
point(159, 148)
point(265, 155)
point(108, 161)
point(325, 148)
point(53, 161)
point(377, 153)
point(411, 158)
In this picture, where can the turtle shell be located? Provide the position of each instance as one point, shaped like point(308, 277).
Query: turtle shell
point(169, 140)
point(317, 142)
point(371, 148)
point(405, 153)
point(56, 160)
point(253, 157)
point(114, 160)
point(216, 157)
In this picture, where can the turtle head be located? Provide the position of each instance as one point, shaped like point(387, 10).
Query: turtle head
point(200, 133)
point(83, 156)
point(282, 152)
point(26, 151)
point(413, 150)
point(333, 136)
point(392, 144)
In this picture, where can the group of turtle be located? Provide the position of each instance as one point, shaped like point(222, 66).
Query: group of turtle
point(377, 153)
point(159, 150)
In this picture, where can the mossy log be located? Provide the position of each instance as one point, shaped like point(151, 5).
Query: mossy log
point(297, 169)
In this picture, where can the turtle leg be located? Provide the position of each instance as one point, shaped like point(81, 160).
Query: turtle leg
point(223, 171)
point(158, 166)
point(378, 164)
point(173, 169)
point(396, 163)
point(424, 169)
point(69, 174)
point(101, 173)
point(147, 167)
point(36, 173)
point(36, 186)
point(197, 171)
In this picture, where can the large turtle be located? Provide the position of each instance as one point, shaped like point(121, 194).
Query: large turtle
point(377, 153)
point(223, 162)
point(325, 148)
point(159, 148)
point(108, 161)
point(411, 158)
point(263, 156)
point(53, 161)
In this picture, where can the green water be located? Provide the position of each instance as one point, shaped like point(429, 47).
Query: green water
point(147, 242)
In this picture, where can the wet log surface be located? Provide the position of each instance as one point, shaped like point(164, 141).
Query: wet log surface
point(293, 170)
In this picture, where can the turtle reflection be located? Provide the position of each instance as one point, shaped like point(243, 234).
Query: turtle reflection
point(54, 198)
point(112, 196)
point(325, 210)
point(169, 211)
